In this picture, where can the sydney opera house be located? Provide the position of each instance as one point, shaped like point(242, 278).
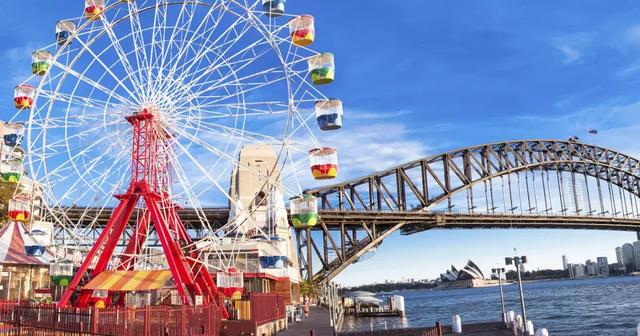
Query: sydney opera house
point(468, 276)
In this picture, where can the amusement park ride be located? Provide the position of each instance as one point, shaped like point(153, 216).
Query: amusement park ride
point(167, 95)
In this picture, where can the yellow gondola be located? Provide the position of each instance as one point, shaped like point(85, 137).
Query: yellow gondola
point(93, 9)
point(302, 30)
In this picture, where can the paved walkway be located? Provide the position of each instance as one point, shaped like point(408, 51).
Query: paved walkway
point(318, 321)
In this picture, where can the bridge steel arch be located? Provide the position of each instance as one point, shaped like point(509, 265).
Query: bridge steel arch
point(559, 184)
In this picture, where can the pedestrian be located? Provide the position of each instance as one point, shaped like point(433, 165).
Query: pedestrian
point(306, 309)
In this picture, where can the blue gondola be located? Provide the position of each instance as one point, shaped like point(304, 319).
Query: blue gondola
point(274, 7)
point(11, 139)
point(34, 250)
point(64, 29)
point(273, 262)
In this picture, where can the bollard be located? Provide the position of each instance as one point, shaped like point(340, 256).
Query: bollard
point(511, 317)
point(457, 324)
point(529, 330)
point(542, 332)
point(517, 325)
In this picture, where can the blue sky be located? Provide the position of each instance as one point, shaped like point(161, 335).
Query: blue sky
point(422, 77)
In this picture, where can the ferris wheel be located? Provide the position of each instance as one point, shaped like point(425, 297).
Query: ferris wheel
point(152, 101)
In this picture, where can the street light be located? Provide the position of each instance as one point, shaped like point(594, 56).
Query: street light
point(500, 272)
point(517, 261)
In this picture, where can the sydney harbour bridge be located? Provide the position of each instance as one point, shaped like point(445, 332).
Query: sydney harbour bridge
point(543, 184)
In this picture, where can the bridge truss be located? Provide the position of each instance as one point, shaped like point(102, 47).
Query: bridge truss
point(516, 184)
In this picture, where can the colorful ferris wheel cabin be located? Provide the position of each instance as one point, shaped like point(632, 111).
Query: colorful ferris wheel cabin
point(23, 95)
point(64, 29)
point(231, 283)
point(61, 272)
point(302, 30)
point(11, 176)
point(322, 68)
point(329, 114)
point(12, 139)
point(41, 62)
point(324, 163)
point(304, 211)
point(18, 210)
point(273, 8)
point(273, 261)
point(93, 9)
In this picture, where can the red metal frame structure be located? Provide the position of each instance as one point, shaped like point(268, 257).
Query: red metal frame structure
point(150, 180)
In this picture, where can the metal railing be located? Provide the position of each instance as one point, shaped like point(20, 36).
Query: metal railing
point(432, 331)
point(262, 307)
point(31, 319)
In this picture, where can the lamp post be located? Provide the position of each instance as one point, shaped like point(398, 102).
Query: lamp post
point(517, 261)
point(500, 272)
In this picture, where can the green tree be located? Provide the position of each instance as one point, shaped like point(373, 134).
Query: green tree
point(309, 289)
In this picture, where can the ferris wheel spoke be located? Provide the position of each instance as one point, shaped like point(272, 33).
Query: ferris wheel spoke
point(213, 116)
point(51, 146)
point(224, 40)
point(235, 134)
point(109, 71)
point(137, 39)
point(93, 83)
point(224, 80)
point(124, 60)
point(232, 160)
point(206, 173)
point(74, 99)
point(212, 87)
point(183, 47)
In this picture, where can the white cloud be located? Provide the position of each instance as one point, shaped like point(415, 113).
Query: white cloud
point(571, 54)
point(572, 47)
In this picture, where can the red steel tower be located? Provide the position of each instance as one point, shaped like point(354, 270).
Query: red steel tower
point(150, 182)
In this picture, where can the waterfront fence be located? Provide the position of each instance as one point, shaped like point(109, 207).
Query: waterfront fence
point(41, 319)
point(262, 307)
point(429, 331)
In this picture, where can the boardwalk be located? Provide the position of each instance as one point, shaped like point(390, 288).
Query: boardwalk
point(318, 321)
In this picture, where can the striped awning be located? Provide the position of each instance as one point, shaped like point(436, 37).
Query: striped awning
point(125, 281)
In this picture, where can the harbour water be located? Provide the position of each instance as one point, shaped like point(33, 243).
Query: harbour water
point(603, 306)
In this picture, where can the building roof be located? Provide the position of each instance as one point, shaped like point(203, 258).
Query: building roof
point(13, 239)
point(468, 272)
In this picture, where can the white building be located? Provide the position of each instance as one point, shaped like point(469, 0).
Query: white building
point(565, 263)
point(579, 271)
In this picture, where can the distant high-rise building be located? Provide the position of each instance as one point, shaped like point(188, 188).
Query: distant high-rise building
point(636, 254)
point(619, 258)
point(591, 268)
point(565, 263)
point(628, 257)
point(578, 271)
point(603, 266)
